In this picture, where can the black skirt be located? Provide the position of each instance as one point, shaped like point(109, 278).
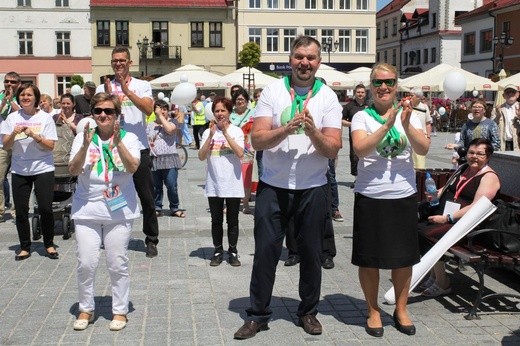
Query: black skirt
point(385, 232)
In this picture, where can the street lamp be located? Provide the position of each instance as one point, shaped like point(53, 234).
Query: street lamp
point(329, 47)
point(143, 52)
point(503, 41)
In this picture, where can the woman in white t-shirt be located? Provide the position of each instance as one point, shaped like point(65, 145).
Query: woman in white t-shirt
point(223, 147)
point(104, 206)
point(31, 134)
point(385, 204)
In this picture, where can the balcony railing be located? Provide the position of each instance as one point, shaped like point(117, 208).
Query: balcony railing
point(163, 53)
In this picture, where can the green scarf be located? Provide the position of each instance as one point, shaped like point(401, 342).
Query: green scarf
point(393, 136)
point(299, 100)
point(107, 154)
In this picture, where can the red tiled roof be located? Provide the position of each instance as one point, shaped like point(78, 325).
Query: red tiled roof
point(504, 3)
point(476, 12)
point(393, 6)
point(159, 3)
point(420, 11)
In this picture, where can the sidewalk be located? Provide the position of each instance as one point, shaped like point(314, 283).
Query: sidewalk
point(178, 299)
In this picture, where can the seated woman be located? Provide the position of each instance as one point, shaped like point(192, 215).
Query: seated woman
point(475, 180)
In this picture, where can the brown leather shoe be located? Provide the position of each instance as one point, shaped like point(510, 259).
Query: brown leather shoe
point(249, 329)
point(310, 324)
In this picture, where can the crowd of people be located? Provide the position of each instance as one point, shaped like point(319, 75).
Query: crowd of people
point(288, 134)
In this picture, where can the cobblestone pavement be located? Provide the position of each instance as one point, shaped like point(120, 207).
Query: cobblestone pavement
point(178, 299)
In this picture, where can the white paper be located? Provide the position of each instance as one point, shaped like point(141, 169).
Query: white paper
point(450, 208)
point(475, 215)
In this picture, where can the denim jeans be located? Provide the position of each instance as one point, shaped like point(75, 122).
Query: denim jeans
point(167, 177)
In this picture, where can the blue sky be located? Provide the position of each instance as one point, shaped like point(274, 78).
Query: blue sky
point(382, 3)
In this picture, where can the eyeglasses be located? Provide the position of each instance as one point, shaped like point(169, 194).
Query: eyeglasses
point(240, 100)
point(473, 153)
point(378, 82)
point(477, 107)
point(118, 61)
point(9, 81)
point(107, 111)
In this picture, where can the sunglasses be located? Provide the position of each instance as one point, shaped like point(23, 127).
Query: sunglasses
point(7, 81)
point(107, 111)
point(378, 82)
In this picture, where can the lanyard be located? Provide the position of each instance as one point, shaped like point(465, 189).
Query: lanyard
point(242, 119)
point(301, 101)
point(463, 182)
point(104, 162)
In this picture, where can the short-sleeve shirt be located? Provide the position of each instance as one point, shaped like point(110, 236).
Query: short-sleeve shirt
point(283, 166)
point(88, 202)
point(30, 158)
point(381, 177)
point(224, 176)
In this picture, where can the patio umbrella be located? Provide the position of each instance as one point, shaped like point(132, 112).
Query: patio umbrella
point(514, 79)
point(433, 79)
point(237, 77)
point(195, 74)
point(334, 78)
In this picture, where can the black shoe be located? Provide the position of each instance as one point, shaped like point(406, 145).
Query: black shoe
point(328, 263)
point(375, 332)
point(292, 260)
point(233, 259)
point(310, 324)
point(249, 329)
point(408, 330)
point(22, 257)
point(217, 259)
point(151, 250)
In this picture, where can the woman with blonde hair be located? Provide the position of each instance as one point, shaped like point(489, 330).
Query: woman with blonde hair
point(385, 203)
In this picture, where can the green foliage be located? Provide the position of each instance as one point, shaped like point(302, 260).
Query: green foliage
point(76, 80)
point(250, 54)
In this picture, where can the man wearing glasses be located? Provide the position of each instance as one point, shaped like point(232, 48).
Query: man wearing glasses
point(8, 104)
point(137, 103)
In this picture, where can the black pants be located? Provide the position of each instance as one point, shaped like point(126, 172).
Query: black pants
point(198, 130)
point(44, 191)
point(274, 208)
point(352, 156)
point(329, 243)
point(216, 208)
point(143, 182)
point(333, 184)
point(509, 145)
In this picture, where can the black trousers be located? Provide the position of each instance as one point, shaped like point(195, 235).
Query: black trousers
point(216, 208)
point(274, 208)
point(329, 243)
point(198, 130)
point(143, 182)
point(44, 191)
point(352, 155)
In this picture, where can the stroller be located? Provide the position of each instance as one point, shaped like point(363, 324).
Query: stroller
point(64, 184)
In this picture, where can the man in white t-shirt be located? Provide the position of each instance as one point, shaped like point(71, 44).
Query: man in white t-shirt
point(137, 103)
point(297, 124)
point(507, 116)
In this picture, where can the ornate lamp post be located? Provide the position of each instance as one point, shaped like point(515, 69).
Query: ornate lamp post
point(143, 52)
point(503, 41)
point(329, 46)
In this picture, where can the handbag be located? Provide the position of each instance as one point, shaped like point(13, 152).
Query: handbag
point(505, 219)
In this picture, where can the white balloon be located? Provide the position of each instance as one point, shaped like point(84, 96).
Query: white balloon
point(442, 110)
point(208, 112)
point(454, 85)
point(184, 93)
point(81, 124)
point(184, 78)
point(160, 95)
point(165, 99)
point(75, 90)
point(475, 93)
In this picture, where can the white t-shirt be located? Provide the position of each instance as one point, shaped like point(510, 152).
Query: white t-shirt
point(29, 158)
point(509, 112)
point(132, 119)
point(381, 177)
point(294, 163)
point(88, 202)
point(224, 176)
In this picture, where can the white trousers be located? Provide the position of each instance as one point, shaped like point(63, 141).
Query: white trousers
point(115, 238)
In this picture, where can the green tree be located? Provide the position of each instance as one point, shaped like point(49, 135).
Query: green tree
point(249, 56)
point(76, 80)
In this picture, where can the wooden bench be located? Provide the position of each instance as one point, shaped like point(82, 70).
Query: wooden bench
point(469, 252)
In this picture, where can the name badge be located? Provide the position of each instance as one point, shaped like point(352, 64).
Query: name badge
point(114, 198)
